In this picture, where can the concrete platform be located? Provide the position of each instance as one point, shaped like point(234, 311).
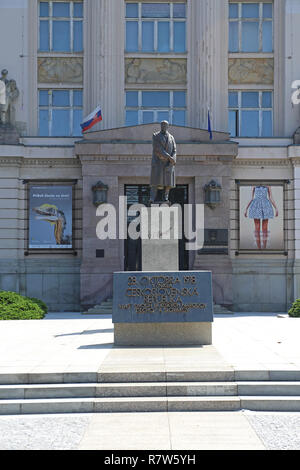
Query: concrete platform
point(251, 353)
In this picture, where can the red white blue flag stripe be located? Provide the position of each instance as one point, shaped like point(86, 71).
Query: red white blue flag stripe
point(91, 119)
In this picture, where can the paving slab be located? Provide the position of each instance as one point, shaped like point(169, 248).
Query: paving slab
point(180, 431)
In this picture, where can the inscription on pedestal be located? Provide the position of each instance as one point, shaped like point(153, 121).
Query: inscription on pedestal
point(154, 297)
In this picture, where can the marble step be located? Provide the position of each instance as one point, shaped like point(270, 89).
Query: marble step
point(148, 404)
point(92, 390)
point(125, 375)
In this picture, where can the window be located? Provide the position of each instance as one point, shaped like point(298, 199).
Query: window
point(60, 112)
point(156, 27)
point(251, 27)
point(251, 113)
point(61, 27)
point(144, 107)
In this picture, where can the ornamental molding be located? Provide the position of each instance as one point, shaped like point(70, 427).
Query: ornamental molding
point(22, 161)
point(266, 162)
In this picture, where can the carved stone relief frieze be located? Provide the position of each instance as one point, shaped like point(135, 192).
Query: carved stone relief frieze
point(60, 69)
point(157, 71)
point(251, 71)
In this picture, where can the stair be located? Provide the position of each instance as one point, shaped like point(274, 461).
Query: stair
point(105, 308)
point(218, 391)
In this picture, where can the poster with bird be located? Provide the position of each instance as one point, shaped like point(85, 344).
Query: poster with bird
point(50, 217)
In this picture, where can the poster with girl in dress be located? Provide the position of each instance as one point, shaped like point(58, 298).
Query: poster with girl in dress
point(261, 217)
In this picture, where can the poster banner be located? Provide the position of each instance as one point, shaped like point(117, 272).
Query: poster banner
point(261, 217)
point(50, 217)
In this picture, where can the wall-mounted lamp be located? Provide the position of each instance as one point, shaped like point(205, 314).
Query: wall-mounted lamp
point(212, 192)
point(99, 193)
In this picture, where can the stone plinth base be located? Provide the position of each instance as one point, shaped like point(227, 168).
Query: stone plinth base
point(162, 334)
point(9, 135)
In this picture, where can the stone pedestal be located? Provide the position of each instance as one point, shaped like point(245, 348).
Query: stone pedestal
point(9, 135)
point(162, 306)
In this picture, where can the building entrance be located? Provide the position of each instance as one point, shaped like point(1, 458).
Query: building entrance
point(140, 194)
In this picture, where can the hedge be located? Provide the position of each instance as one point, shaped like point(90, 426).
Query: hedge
point(295, 309)
point(14, 306)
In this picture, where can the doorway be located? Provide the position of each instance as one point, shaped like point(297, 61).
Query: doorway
point(140, 194)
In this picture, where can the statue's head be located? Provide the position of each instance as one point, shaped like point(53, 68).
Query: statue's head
point(164, 126)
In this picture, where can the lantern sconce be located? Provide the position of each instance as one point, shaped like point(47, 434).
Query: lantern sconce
point(99, 193)
point(212, 192)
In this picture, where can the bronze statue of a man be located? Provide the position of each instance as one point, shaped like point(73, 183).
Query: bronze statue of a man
point(163, 163)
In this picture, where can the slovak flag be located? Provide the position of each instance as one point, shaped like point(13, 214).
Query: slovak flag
point(91, 119)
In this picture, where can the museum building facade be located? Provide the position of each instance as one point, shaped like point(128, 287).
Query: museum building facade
point(224, 74)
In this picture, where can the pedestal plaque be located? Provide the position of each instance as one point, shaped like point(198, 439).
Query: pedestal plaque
point(160, 305)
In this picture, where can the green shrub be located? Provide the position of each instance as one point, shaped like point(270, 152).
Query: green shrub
point(40, 304)
point(17, 307)
point(295, 309)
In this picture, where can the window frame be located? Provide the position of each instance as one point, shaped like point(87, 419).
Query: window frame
point(240, 20)
point(50, 107)
point(72, 20)
point(239, 109)
point(170, 110)
point(140, 19)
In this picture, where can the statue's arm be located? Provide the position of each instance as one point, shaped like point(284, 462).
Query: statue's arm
point(160, 151)
point(173, 155)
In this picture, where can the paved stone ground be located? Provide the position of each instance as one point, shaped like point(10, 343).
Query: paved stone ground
point(275, 431)
point(73, 342)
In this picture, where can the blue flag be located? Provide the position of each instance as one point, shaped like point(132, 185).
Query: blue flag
point(209, 126)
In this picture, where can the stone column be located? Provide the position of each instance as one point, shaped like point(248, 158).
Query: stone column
point(208, 63)
point(104, 61)
point(296, 162)
point(292, 64)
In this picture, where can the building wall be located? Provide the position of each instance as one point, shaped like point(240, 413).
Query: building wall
point(104, 72)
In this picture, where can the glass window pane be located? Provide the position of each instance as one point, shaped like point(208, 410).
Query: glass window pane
point(163, 36)
point(77, 37)
point(156, 99)
point(132, 10)
point(132, 98)
point(267, 39)
point(44, 9)
point(250, 36)
point(131, 36)
point(179, 118)
point(43, 98)
point(78, 10)
point(155, 10)
point(77, 98)
point(61, 9)
point(132, 118)
point(61, 122)
point(77, 120)
point(250, 99)
point(250, 10)
point(250, 124)
point(147, 36)
point(233, 36)
point(179, 10)
point(60, 98)
point(179, 36)
point(267, 99)
point(44, 35)
point(163, 116)
point(232, 122)
point(267, 10)
point(148, 117)
point(61, 36)
point(233, 100)
point(43, 122)
point(267, 130)
point(233, 10)
point(179, 99)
